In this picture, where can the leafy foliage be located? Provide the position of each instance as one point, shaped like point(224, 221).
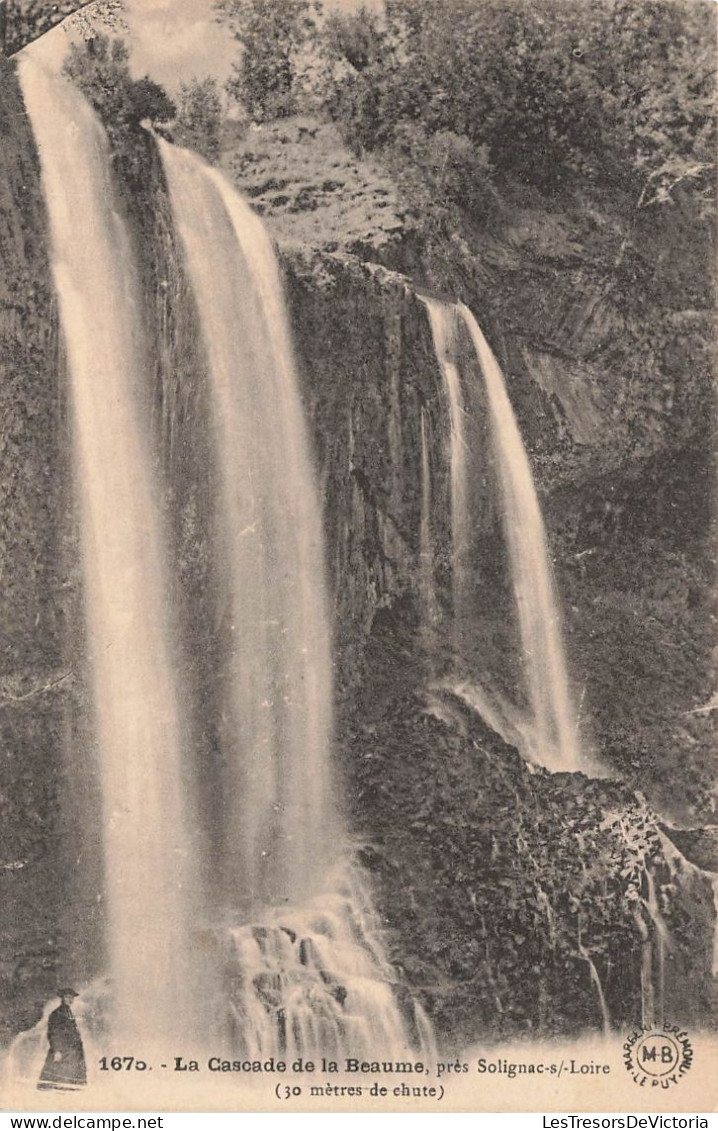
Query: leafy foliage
point(553, 91)
point(199, 118)
point(100, 68)
point(273, 34)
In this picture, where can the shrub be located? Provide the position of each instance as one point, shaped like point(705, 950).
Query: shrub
point(199, 118)
point(273, 34)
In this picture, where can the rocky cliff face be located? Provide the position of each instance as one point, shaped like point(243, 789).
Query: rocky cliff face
point(604, 333)
point(605, 329)
point(601, 315)
point(450, 821)
point(441, 805)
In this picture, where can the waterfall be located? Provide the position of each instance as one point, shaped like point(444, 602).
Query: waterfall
point(442, 319)
point(596, 980)
point(150, 896)
point(278, 688)
point(307, 973)
point(554, 719)
point(551, 735)
point(314, 980)
point(663, 943)
point(426, 541)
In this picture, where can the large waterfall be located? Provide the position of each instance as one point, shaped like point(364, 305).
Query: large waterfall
point(148, 848)
point(284, 955)
point(309, 977)
point(279, 689)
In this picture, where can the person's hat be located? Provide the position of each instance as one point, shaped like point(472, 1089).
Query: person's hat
point(67, 993)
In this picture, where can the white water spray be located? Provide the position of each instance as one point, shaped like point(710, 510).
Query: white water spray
point(314, 980)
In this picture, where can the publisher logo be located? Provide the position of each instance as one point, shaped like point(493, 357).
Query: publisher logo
point(658, 1057)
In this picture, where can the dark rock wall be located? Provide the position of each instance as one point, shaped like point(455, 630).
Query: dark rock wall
point(603, 321)
point(479, 866)
point(367, 368)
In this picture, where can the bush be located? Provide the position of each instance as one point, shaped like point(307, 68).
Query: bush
point(452, 170)
point(607, 92)
point(273, 34)
point(100, 68)
point(199, 118)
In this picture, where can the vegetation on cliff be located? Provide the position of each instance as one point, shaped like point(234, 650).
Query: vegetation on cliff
point(100, 68)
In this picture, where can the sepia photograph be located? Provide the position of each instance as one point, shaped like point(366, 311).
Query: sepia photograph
point(358, 650)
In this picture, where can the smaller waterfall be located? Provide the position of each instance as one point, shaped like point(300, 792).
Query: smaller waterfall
point(556, 727)
point(442, 319)
point(648, 1001)
point(605, 1016)
point(656, 942)
point(426, 541)
point(662, 942)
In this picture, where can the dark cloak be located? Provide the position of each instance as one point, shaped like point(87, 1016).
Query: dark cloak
point(64, 1038)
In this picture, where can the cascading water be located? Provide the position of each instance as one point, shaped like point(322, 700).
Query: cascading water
point(442, 319)
point(278, 688)
point(554, 718)
point(596, 980)
point(150, 890)
point(306, 975)
point(313, 979)
point(663, 943)
point(426, 542)
point(551, 735)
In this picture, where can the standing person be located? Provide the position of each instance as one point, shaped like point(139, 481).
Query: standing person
point(64, 1066)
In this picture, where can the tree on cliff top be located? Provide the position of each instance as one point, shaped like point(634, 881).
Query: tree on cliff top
point(273, 34)
point(199, 118)
point(100, 68)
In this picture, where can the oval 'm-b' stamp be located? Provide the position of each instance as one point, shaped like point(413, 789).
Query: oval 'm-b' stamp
point(658, 1056)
